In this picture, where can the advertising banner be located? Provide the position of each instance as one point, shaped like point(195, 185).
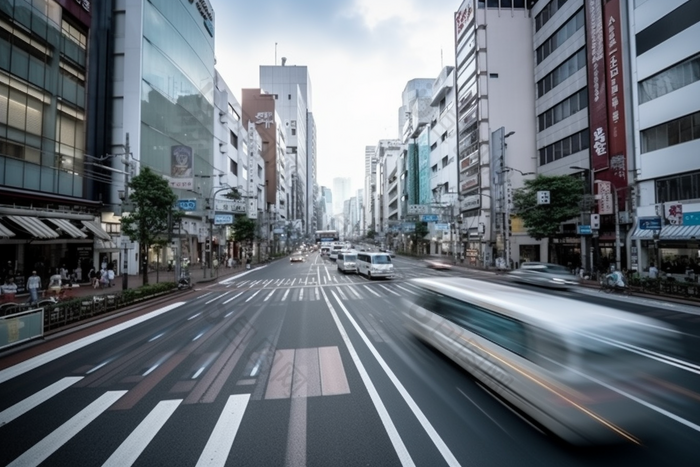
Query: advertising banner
point(181, 168)
point(597, 97)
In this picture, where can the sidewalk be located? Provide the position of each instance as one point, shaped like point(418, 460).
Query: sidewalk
point(197, 276)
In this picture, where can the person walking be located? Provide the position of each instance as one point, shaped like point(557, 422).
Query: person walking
point(653, 271)
point(34, 285)
point(55, 284)
point(110, 276)
point(9, 289)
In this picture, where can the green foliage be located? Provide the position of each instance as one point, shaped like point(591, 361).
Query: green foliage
point(542, 221)
point(244, 229)
point(421, 230)
point(371, 234)
point(153, 201)
point(233, 194)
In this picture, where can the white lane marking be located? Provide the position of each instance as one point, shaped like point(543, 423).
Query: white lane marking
point(233, 298)
point(233, 278)
point(389, 290)
point(94, 369)
point(370, 289)
point(327, 273)
point(301, 294)
point(155, 338)
point(342, 294)
point(21, 368)
point(325, 281)
point(335, 279)
point(405, 289)
point(133, 446)
point(316, 292)
point(422, 419)
point(388, 423)
point(352, 289)
point(24, 406)
point(202, 296)
point(241, 284)
point(57, 438)
point(217, 450)
point(198, 372)
point(306, 281)
point(215, 299)
point(269, 295)
point(285, 295)
point(194, 316)
point(295, 279)
point(198, 336)
point(251, 297)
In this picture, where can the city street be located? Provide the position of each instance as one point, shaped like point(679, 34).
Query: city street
point(297, 364)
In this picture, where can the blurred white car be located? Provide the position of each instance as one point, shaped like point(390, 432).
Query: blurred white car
point(544, 275)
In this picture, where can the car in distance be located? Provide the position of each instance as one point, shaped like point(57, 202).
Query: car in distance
point(297, 258)
point(557, 360)
point(438, 264)
point(390, 253)
point(544, 275)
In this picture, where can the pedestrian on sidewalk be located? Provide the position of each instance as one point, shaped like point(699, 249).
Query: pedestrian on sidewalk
point(34, 285)
point(110, 277)
point(653, 271)
point(55, 283)
point(9, 289)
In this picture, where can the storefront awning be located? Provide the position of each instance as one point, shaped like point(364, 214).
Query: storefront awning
point(5, 232)
point(105, 245)
point(96, 229)
point(34, 226)
point(67, 227)
point(669, 232)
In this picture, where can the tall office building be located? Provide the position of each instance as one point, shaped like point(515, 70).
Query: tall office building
point(368, 202)
point(291, 88)
point(341, 193)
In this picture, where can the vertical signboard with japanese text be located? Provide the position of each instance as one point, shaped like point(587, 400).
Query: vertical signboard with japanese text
point(253, 150)
point(597, 96)
point(617, 138)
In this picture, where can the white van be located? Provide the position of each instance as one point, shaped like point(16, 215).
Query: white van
point(555, 359)
point(333, 254)
point(375, 265)
point(347, 261)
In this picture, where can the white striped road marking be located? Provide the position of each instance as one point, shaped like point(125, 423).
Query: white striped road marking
point(352, 289)
point(252, 284)
point(202, 296)
point(285, 295)
point(394, 437)
point(301, 294)
point(133, 446)
point(24, 406)
point(341, 293)
point(233, 298)
point(335, 279)
point(251, 297)
point(422, 419)
point(295, 279)
point(325, 281)
point(57, 438)
point(327, 273)
point(370, 289)
point(316, 292)
point(215, 299)
point(218, 447)
point(389, 290)
point(35, 362)
point(405, 289)
point(194, 316)
point(269, 295)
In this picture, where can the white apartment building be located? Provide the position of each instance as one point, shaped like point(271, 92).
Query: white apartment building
point(370, 173)
point(495, 89)
point(664, 42)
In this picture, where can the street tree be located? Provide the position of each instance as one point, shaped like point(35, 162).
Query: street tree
point(421, 230)
point(244, 230)
point(543, 220)
point(371, 233)
point(152, 216)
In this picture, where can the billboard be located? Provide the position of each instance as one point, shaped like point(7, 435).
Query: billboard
point(181, 167)
point(597, 96)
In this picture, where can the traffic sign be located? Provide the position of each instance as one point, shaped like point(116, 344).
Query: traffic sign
point(543, 197)
point(584, 230)
point(445, 227)
point(429, 218)
point(650, 223)
point(223, 219)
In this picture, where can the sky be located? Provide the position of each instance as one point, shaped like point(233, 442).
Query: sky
point(359, 53)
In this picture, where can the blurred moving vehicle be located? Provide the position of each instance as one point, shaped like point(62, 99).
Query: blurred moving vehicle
point(438, 264)
point(297, 258)
point(374, 265)
point(545, 275)
point(558, 361)
point(347, 261)
point(390, 253)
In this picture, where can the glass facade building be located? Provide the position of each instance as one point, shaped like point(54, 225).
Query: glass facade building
point(43, 60)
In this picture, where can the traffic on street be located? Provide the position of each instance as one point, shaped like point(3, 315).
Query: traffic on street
point(299, 363)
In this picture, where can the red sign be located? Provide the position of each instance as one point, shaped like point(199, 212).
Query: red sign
point(597, 100)
point(462, 18)
point(616, 96)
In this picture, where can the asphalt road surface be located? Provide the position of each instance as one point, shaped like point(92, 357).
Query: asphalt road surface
point(298, 364)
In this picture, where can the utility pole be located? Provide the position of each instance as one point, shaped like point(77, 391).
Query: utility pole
point(125, 199)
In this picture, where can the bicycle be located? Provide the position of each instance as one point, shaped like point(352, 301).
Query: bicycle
point(608, 286)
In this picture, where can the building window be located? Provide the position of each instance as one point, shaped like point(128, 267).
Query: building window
point(680, 130)
point(678, 188)
point(233, 167)
point(289, 97)
point(234, 140)
point(679, 75)
point(562, 72)
point(564, 147)
point(260, 172)
point(547, 13)
point(445, 161)
point(433, 146)
point(558, 38)
point(434, 168)
point(563, 109)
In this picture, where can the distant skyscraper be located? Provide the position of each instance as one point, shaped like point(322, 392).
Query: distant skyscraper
point(341, 193)
point(291, 88)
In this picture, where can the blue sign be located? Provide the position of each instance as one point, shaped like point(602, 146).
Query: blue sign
point(187, 204)
point(223, 219)
point(429, 218)
point(408, 227)
point(650, 223)
point(584, 230)
point(691, 218)
point(445, 227)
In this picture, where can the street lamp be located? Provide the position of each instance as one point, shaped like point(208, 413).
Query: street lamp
point(585, 204)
